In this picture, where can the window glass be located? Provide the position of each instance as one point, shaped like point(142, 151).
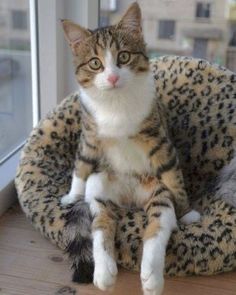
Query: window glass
point(203, 29)
point(19, 19)
point(166, 29)
point(203, 10)
point(15, 75)
point(104, 21)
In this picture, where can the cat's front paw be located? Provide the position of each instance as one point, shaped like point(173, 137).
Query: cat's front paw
point(105, 272)
point(69, 199)
point(190, 217)
point(152, 281)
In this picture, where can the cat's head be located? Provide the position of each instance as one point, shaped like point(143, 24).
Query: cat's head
point(109, 58)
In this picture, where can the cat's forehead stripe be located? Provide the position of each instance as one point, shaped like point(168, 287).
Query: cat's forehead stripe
point(106, 37)
point(98, 41)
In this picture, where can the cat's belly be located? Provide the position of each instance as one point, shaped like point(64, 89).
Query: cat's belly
point(130, 165)
point(127, 157)
point(126, 190)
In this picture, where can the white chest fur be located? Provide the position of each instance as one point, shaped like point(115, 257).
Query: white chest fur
point(119, 112)
point(125, 156)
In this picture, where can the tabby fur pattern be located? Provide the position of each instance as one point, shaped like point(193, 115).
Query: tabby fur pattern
point(125, 155)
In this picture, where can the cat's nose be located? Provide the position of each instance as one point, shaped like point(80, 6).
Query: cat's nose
point(113, 78)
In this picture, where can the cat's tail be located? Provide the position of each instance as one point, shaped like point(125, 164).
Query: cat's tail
point(226, 183)
point(79, 247)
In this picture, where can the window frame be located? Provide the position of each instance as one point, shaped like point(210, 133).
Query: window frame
point(45, 29)
point(57, 54)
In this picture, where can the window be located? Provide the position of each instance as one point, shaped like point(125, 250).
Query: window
point(107, 9)
point(19, 44)
point(184, 27)
point(19, 19)
point(166, 29)
point(203, 10)
point(232, 40)
point(3, 19)
point(15, 83)
point(200, 48)
point(104, 21)
point(18, 88)
point(38, 50)
point(108, 5)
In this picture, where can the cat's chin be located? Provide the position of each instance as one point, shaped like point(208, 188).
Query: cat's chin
point(109, 88)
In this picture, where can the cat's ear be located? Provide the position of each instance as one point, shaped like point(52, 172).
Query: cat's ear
point(132, 19)
point(74, 33)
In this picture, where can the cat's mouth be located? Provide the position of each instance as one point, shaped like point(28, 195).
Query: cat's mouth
point(111, 87)
point(115, 86)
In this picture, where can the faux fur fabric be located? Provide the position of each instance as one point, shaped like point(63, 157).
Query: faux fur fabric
point(199, 100)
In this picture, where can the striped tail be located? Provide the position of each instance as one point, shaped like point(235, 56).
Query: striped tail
point(79, 248)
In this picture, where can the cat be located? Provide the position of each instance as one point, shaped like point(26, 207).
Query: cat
point(124, 155)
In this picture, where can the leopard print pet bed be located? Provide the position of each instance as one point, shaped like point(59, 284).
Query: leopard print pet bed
point(199, 100)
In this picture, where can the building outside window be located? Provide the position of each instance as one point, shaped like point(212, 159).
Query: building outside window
point(166, 29)
point(232, 41)
point(19, 19)
point(185, 27)
point(16, 90)
point(203, 10)
point(15, 73)
point(36, 71)
point(104, 21)
point(200, 48)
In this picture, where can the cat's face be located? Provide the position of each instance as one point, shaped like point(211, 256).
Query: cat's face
point(109, 58)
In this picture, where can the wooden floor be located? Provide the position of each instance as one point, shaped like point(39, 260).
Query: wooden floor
point(30, 265)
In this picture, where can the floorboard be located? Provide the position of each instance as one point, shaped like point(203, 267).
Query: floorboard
point(31, 265)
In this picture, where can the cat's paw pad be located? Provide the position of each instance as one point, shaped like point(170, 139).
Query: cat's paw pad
point(152, 283)
point(105, 273)
point(190, 217)
point(69, 199)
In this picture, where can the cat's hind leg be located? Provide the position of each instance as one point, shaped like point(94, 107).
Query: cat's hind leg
point(103, 232)
point(161, 222)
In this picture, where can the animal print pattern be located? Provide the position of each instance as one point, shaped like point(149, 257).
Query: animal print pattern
point(199, 101)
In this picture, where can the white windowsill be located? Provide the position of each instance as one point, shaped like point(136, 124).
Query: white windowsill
point(7, 188)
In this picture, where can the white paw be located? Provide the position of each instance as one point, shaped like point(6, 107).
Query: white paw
point(152, 280)
point(69, 199)
point(105, 272)
point(190, 217)
point(95, 186)
point(152, 269)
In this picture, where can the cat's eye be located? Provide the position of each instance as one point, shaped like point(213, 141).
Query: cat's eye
point(95, 63)
point(123, 57)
